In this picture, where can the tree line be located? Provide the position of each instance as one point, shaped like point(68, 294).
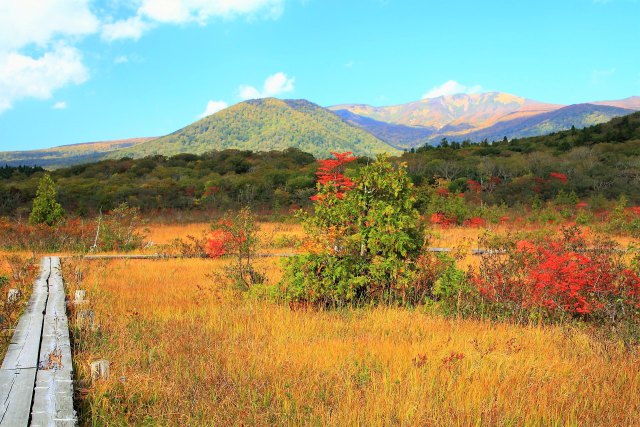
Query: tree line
point(596, 164)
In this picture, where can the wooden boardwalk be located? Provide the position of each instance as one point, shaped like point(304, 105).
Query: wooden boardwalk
point(36, 387)
point(258, 255)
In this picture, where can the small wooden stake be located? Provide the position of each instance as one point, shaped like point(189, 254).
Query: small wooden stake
point(80, 296)
point(84, 318)
point(100, 370)
point(13, 296)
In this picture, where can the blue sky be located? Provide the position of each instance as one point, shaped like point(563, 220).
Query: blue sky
point(78, 70)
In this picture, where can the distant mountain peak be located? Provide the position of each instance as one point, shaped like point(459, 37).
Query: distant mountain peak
point(632, 103)
point(478, 116)
point(267, 124)
point(458, 110)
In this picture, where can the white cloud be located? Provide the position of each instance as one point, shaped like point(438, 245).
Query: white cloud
point(274, 85)
point(122, 59)
point(249, 92)
point(22, 76)
point(131, 28)
point(37, 37)
point(181, 11)
point(212, 108)
point(60, 105)
point(48, 26)
point(451, 87)
point(25, 22)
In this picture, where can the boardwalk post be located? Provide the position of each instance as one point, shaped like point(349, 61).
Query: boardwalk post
point(100, 370)
point(84, 319)
point(13, 296)
point(80, 296)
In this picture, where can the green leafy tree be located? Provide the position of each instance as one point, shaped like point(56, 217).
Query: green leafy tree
point(46, 209)
point(364, 240)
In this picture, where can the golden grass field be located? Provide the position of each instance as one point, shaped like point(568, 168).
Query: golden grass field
point(185, 350)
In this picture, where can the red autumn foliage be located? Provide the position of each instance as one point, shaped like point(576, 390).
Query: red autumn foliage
point(563, 277)
point(211, 190)
point(330, 172)
point(217, 243)
point(475, 222)
point(538, 184)
point(441, 219)
point(442, 192)
point(582, 205)
point(474, 186)
point(635, 210)
point(222, 240)
point(559, 176)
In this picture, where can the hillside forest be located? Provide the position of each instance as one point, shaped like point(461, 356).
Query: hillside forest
point(588, 168)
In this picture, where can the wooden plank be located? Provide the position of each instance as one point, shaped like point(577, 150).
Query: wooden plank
point(18, 371)
point(53, 392)
point(16, 390)
point(438, 249)
point(25, 342)
point(168, 256)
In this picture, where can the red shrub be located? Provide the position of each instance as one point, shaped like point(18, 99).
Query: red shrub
point(559, 176)
point(211, 190)
point(475, 222)
point(439, 218)
point(442, 192)
point(634, 210)
point(563, 277)
point(217, 243)
point(224, 239)
point(474, 186)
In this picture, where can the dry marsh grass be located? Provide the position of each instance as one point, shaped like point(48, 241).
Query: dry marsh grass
point(185, 350)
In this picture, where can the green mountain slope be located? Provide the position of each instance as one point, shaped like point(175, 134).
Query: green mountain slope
point(67, 155)
point(265, 125)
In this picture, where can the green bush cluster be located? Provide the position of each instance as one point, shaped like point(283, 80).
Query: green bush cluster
point(366, 245)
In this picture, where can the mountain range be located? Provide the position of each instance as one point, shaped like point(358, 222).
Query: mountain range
point(475, 117)
point(274, 124)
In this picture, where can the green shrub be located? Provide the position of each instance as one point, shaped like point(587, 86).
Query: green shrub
point(365, 237)
point(119, 230)
point(46, 209)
